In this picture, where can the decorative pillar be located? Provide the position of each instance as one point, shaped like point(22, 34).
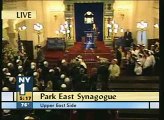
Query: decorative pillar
point(106, 28)
point(108, 15)
point(107, 37)
point(69, 16)
point(108, 20)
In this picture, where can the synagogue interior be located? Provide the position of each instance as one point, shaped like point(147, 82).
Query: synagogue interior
point(82, 45)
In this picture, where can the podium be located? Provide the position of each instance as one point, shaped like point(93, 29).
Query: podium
point(89, 40)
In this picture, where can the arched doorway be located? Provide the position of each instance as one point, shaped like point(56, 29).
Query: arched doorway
point(81, 25)
point(70, 15)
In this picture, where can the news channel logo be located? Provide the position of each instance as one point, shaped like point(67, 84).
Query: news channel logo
point(24, 84)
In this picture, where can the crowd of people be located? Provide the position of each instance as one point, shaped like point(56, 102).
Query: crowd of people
point(65, 76)
point(73, 75)
point(139, 60)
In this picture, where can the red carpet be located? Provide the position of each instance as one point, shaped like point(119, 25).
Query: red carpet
point(89, 56)
point(78, 49)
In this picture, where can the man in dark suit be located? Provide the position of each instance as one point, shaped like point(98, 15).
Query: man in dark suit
point(102, 76)
point(128, 38)
point(40, 55)
point(128, 34)
point(119, 55)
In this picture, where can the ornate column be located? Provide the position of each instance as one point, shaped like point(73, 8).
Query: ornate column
point(108, 15)
point(106, 35)
point(69, 17)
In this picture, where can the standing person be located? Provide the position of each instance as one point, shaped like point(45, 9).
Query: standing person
point(152, 58)
point(18, 56)
point(40, 56)
point(103, 75)
point(128, 35)
point(52, 78)
point(36, 81)
point(20, 70)
point(147, 67)
point(137, 50)
point(114, 69)
point(12, 83)
point(153, 61)
point(32, 69)
point(93, 78)
point(75, 74)
point(141, 58)
point(142, 48)
point(26, 64)
point(65, 67)
point(152, 48)
point(45, 72)
point(157, 59)
point(49, 86)
point(119, 55)
point(11, 69)
point(128, 38)
point(138, 68)
point(68, 83)
point(96, 33)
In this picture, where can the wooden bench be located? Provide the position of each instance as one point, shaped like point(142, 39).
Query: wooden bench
point(135, 83)
point(56, 44)
point(136, 79)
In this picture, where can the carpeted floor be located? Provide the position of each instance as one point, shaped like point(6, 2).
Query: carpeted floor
point(78, 49)
point(89, 56)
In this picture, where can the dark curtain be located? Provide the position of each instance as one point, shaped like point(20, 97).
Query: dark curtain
point(80, 10)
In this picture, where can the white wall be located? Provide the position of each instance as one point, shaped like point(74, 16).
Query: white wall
point(51, 15)
point(135, 11)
